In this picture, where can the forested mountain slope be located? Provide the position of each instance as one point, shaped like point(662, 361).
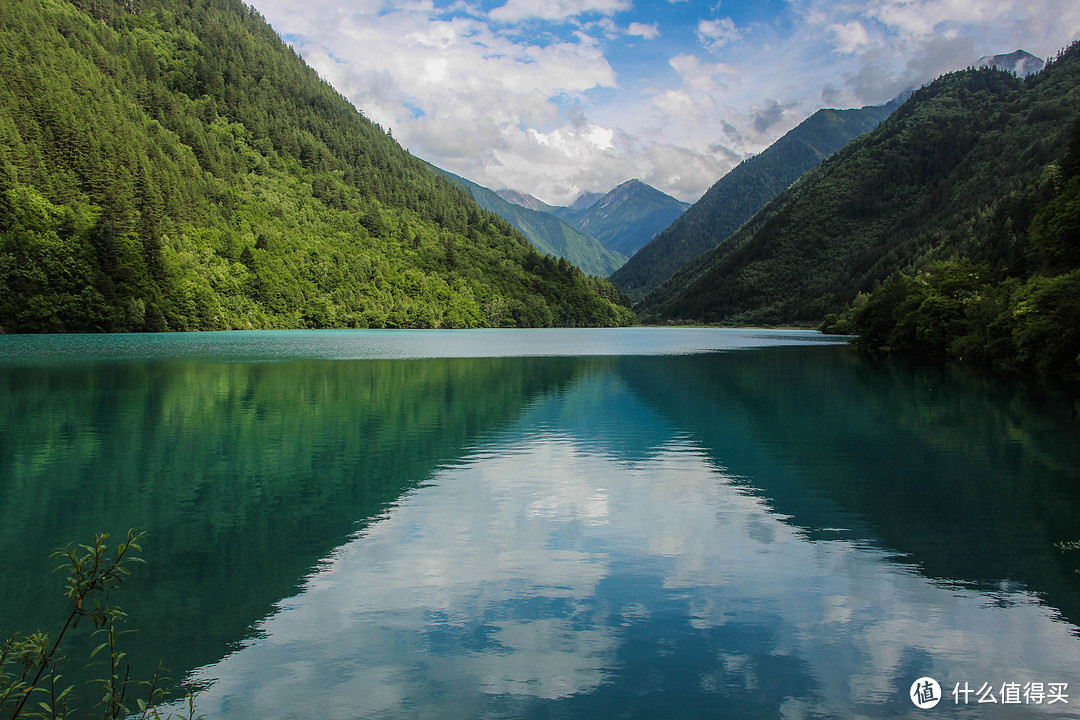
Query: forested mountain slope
point(174, 165)
point(968, 172)
point(546, 232)
point(734, 198)
point(1023, 315)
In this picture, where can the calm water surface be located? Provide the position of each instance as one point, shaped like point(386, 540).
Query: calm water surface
point(642, 523)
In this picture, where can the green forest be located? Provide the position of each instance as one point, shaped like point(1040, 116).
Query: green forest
point(1023, 316)
point(953, 229)
point(176, 166)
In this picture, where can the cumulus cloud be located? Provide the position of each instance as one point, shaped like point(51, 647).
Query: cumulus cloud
point(454, 87)
point(940, 54)
point(515, 10)
point(703, 76)
point(830, 95)
point(850, 36)
point(886, 46)
point(923, 17)
point(715, 34)
point(555, 97)
point(641, 29)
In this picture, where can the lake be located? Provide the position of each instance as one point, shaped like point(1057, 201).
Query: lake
point(634, 523)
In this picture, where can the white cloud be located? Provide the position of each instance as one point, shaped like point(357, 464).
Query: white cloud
point(453, 89)
point(641, 29)
point(547, 518)
point(921, 17)
point(557, 10)
point(511, 102)
point(701, 75)
point(715, 34)
point(602, 29)
point(850, 36)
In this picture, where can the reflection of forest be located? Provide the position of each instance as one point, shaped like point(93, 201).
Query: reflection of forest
point(244, 475)
point(971, 478)
point(594, 559)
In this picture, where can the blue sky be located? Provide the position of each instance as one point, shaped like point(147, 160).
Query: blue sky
point(558, 97)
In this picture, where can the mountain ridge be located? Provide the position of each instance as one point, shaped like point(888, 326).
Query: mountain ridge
point(626, 217)
point(1019, 62)
point(735, 197)
point(524, 200)
point(586, 200)
point(623, 219)
point(951, 229)
point(547, 233)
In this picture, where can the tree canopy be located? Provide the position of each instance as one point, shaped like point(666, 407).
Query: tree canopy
point(176, 166)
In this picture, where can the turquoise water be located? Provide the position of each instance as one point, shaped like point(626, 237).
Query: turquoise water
point(642, 523)
point(239, 346)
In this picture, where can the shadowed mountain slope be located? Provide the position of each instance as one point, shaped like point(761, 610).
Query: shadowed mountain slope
point(626, 218)
point(734, 198)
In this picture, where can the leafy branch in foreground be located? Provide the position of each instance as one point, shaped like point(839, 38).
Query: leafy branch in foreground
point(1067, 546)
point(31, 684)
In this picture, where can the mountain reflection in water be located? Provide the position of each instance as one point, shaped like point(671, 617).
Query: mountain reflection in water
point(789, 531)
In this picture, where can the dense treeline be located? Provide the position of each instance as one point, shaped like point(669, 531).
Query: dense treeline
point(1020, 314)
point(736, 197)
point(175, 166)
point(964, 172)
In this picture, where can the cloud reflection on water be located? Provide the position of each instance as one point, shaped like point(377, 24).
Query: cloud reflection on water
point(548, 568)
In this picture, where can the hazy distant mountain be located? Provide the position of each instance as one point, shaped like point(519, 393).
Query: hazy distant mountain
point(524, 200)
point(586, 200)
point(545, 231)
point(1020, 63)
point(735, 198)
point(626, 218)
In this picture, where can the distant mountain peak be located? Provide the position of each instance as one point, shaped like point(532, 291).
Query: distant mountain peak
point(524, 200)
point(634, 188)
point(1021, 63)
point(626, 217)
point(586, 200)
point(546, 232)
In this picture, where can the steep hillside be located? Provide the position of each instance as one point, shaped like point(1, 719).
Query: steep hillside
point(734, 198)
point(971, 149)
point(1021, 316)
point(176, 166)
point(626, 218)
point(547, 233)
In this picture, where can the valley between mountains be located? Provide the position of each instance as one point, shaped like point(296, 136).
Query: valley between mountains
point(169, 167)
